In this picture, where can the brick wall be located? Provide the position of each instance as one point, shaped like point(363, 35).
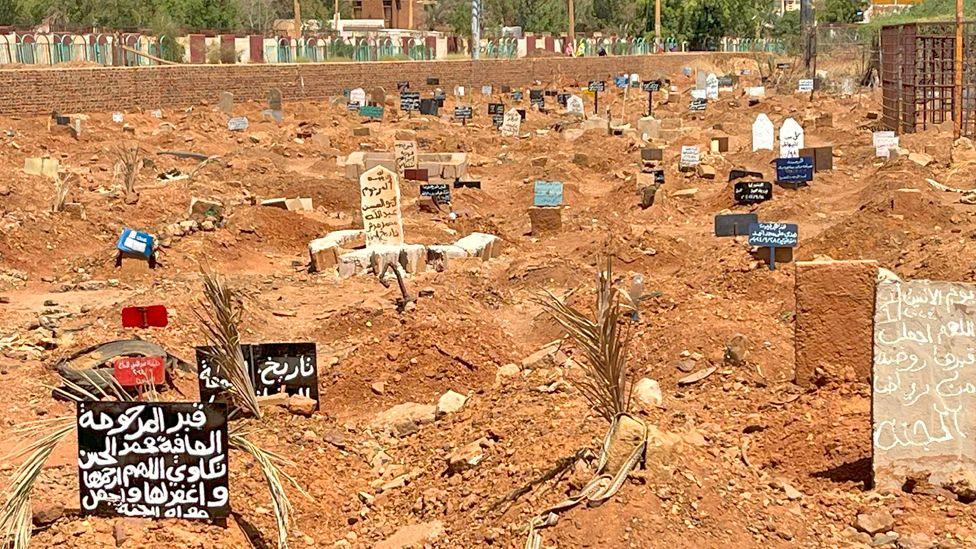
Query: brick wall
point(70, 90)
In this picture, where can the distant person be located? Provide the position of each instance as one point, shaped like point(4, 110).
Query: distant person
point(602, 52)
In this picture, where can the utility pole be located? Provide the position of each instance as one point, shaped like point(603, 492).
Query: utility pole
point(298, 20)
point(808, 22)
point(571, 10)
point(475, 29)
point(657, 23)
point(957, 62)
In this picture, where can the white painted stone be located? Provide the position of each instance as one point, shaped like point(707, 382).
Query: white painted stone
point(485, 246)
point(358, 96)
point(790, 139)
point(574, 105)
point(711, 86)
point(762, 133)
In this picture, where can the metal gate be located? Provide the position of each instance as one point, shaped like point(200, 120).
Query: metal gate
point(917, 76)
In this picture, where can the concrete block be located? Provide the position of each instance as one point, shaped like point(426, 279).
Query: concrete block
point(445, 253)
point(649, 127)
point(324, 252)
point(383, 255)
point(595, 124)
point(485, 246)
point(545, 220)
point(354, 262)
point(834, 337)
point(413, 258)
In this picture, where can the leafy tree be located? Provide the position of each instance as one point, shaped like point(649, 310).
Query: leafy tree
point(840, 11)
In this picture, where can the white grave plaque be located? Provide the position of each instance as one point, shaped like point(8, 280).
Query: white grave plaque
point(690, 156)
point(790, 139)
point(380, 201)
point(511, 124)
point(358, 96)
point(574, 105)
point(711, 86)
point(805, 85)
point(883, 143)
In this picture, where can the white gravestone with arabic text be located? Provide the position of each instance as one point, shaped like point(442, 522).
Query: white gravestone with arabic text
point(358, 96)
point(380, 201)
point(711, 86)
point(574, 105)
point(790, 139)
point(512, 123)
point(924, 382)
point(405, 155)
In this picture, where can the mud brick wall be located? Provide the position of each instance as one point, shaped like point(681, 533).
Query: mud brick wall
point(33, 91)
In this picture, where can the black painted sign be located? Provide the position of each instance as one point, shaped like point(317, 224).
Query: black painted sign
point(651, 85)
point(429, 106)
point(458, 184)
point(440, 192)
point(462, 113)
point(272, 367)
point(537, 98)
point(402, 86)
point(517, 95)
point(698, 104)
point(562, 99)
point(153, 459)
point(736, 173)
point(410, 101)
point(596, 86)
point(497, 113)
point(734, 224)
point(753, 192)
point(431, 81)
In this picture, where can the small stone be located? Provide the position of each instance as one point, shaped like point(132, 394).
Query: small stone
point(787, 488)
point(208, 225)
point(685, 193)
point(301, 405)
point(507, 371)
point(647, 393)
point(450, 402)
point(464, 458)
point(46, 514)
point(963, 484)
point(887, 538)
point(378, 388)
point(872, 522)
point(736, 350)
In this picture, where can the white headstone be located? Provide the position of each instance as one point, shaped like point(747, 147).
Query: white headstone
point(690, 156)
point(237, 124)
point(790, 139)
point(756, 91)
point(117, 117)
point(711, 86)
point(458, 91)
point(574, 105)
point(405, 155)
point(379, 191)
point(699, 94)
point(762, 133)
point(883, 143)
point(512, 123)
point(634, 79)
point(486, 90)
point(358, 96)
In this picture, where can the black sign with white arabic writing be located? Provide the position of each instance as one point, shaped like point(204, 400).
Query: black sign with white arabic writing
point(794, 170)
point(153, 459)
point(431, 81)
point(517, 95)
point(440, 192)
point(698, 104)
point(410, 101)
point(596, 86)
point(496, 108)
point(752, 192)
point(562, 99)
point(291, 367)
point(462, 113)
point(403, 86)
point(272, 367)
point(651, 85)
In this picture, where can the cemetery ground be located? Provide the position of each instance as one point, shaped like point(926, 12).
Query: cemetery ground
point(740, 455)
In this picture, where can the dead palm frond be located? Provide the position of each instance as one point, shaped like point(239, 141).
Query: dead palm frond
point(604, 341)
point(62, 188)
point(224, 350)
point(128, 164)
point(273, 475)
point(16, 513)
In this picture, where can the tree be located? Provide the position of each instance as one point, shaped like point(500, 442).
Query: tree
point(841, 11)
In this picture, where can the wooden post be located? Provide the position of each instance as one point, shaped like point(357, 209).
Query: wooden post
point(657, 23)
point(298, 20)
point(572, 24)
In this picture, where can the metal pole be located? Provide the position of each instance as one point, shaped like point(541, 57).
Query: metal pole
point(957, 88)
point(807, 20)
point(475, 29)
